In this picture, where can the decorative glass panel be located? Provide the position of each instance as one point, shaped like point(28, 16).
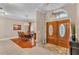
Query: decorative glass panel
point(62, 30)
point(50, 30)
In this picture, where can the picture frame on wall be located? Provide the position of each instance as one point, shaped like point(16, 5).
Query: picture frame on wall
point(16, 27)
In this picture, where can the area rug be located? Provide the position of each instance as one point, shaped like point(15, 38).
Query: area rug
point(22, 43)
point(58, 49)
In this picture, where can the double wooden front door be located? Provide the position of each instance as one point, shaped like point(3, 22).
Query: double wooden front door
point(58, 32)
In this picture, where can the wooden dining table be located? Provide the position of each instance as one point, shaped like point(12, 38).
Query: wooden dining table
point(26, 33)
point(23, 43)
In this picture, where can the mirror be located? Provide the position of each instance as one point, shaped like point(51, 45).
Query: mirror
point(62, 30)
point(50, 29)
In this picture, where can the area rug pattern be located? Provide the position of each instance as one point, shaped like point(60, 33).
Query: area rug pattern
point(57, 49)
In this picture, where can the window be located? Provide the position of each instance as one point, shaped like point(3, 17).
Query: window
point(60, 14)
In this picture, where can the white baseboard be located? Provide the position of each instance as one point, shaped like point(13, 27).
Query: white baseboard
point(9, 38)
point(5, 39)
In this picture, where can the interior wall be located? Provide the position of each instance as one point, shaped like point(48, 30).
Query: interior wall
point(77, 22)
point(6, 27)
point(33, 27)
point(40, 27)
point(71, 9)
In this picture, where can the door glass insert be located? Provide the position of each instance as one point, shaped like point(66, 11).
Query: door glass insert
point(50, 30)
point(62, 30)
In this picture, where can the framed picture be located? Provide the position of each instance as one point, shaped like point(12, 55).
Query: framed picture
point(16, 27)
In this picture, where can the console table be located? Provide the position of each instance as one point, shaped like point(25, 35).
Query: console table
point(74, 48)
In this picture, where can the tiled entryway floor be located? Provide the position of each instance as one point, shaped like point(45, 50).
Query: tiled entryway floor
point(7, 47)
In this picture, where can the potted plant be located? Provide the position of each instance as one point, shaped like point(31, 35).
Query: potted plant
point(73, 32)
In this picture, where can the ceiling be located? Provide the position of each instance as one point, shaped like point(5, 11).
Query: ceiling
point(25, 11)
point(20, 10)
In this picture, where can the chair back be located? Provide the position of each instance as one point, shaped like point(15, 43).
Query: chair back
point(19, 34)
point(24, 35)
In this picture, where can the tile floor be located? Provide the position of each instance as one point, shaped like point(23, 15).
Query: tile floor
point(7, 47)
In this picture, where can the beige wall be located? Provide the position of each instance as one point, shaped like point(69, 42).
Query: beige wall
point(71, 9)
point(33, 26)
point(77, 22)
point(6, 27)
point(40, 27)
